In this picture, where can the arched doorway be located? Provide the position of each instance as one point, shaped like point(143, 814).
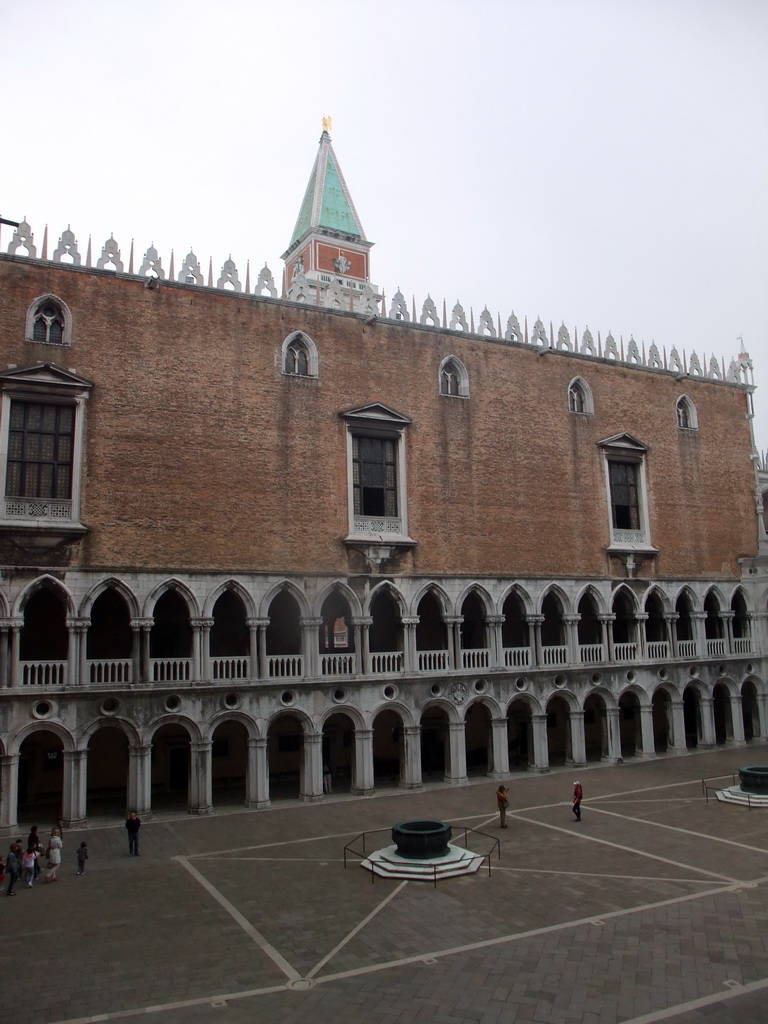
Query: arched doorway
point(285, 754)
point(558, 731)
point(388, 749)
point(515, 636)
point(107, 776)
point(630, 730)
point(595, 728)
point(339, 753)
point(41, 777)
point(170, 639)
point(229, 763)
point(44, 640)
point(692, 717)
point(109, 640)
point(477, 739)
point(337, 637)
point(230, 640)
point(519, 739)
point(749, 710)
point(590, 631)
point(553, 646)
point(661, 710)
point(171, 763)
point(431, 636)
point(435, 745)
point(385, 634)
point(474, 640)
point(721, 710)
point(283, 640)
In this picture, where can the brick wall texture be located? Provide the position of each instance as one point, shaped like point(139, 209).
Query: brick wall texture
point(201, 454)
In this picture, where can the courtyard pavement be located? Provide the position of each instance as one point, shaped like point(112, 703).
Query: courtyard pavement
point(653, 908)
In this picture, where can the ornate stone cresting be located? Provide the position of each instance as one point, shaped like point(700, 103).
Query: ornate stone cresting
point(365, 301)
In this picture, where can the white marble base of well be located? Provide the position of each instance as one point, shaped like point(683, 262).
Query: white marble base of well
point(388, 863)
point(735, 795)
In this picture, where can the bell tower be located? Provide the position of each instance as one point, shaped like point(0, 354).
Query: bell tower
point(328, 260)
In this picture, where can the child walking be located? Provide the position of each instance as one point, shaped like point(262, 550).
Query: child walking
point(82, 857)
point(28, 864)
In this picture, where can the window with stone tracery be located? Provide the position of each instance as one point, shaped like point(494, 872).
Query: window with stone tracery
point(686, 414)
point(49, 322)
point(299, 356)
point(453, 378)
point(580, 397)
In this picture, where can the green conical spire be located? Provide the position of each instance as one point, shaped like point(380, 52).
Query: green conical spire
point(327, 204)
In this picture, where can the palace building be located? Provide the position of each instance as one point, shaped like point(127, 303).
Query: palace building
point(246, 536)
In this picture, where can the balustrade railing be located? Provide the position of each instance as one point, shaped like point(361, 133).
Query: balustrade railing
point(687, 649)
point(433, 661)
point(476, 657)
point(110, 670)
point(554, 655)
point(285, 666)
point(43, 673)
point(231, 668)
point(590, 653)
point(715, 647)
point(386, 662)
point(337, 664)
point(517, 657)
point(624, 652)
point(742, 645)
point(658, 650)
point(166, 670)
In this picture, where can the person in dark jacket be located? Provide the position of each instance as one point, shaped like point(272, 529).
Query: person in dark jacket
point(133, 824)
point(578, 793)
point(12, 869)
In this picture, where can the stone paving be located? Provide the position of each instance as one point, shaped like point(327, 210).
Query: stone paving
point(653, 908)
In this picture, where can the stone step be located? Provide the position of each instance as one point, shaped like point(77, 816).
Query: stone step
point(387, 863)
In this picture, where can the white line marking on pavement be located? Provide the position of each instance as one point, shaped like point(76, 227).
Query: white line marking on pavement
point(276, 957)
point(697, 1004)
point(607, 874)
point(518, 936)
point(356, 929)
point(685, 831)
point(627, 849)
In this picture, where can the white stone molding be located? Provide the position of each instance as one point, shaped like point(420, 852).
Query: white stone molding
point(485, 324)
point(563, 339)
point(588, 343)
point(513, 332)
point(429, 313)
point(694, 366)
point(539, 334)
point(110, 254)
point(265, 282)
point(229, 278)
point(152, 265)
point(66, 250)
point(398, 309)
point(633, 353)
point(190, 272)
point(23, 239)
point(654, 359)
point(458, 318)
point(610, 350)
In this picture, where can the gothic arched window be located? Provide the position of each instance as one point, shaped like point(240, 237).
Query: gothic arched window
point(580, 397)
point(454, 379)
point(49, 322)
point(686, 414)
point(299, 356)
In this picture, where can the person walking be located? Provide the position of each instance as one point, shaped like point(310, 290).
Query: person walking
point(12, 870)
point(34, 840)
point(28, 863)
point(578, 793)
point(82, 857)
point(502, 800)
point(54, 856)
point(133, 824)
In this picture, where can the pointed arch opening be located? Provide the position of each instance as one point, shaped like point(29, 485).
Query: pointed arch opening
point(453, 378)
point(44, 639)
point(170, 639)
point(515, 633)
point(230, 638)
point(431, 636)
point(337, 636)
point(109, 644)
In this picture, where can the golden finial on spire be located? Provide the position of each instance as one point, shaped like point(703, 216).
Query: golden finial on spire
point(327, 124)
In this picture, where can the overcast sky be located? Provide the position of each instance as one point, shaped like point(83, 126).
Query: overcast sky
point(601, 162)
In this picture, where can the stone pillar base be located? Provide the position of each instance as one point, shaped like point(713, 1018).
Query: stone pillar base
point(311, 798)
point(607, 759)
point(642, 756)
point(537, 770)
point(414, 786)
point(201, 810)
point(362, 792)
point(256, 805)
point(74, 822)
point(498, 776)
point(457, 782)
point(676, 751)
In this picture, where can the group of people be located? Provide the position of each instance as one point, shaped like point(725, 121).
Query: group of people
point(502, 801)
point(24, 861)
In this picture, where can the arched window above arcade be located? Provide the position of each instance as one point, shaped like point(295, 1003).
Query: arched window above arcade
point(453, 378)
point(299, 356)
point(49, 322)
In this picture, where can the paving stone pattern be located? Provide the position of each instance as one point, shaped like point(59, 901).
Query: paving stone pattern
point(653, 908)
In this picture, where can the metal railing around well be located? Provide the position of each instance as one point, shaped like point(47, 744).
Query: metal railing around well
point(706, 788)
point(362, 854)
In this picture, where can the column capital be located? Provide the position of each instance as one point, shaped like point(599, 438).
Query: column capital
point(251, 623)
point(641, 616)
point(670, 616)
point(145, 623)
point(534, 620)
point(201, 623)
point(453, 620)
point(698, 616)
point(6, 624)
point(313, 738)
point(606, 617)
point(495, 620)
point(78, 624)
point(571, 620)
point(410, 620)
point(362, 620)
point(201, 746)
point(311, 621)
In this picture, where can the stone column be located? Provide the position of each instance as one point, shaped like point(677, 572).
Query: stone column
point(614, 735)
point(143, 672)
point(15, 665)
point(257, 777)
point(453, 624)
point(671, 619)
point(410, 777)
point(312, 768)
point(494, 624)
point(728, 617)
point(737, 721)
point(73, 790)
point(647, 740)
point(534, 627)
point(201, 650)
point(641, 618)
point(358, 645)
point(5, 661)
point(540, 744)
point(9, 790)
point(362, 775)
point(607, 620)
point(699, 633)
point(578, 746)
point(200, 778)
point(707, 722)
point(572, 638)
point(457, 761)
point(410, 661)
point(761, 701)
point(310, 645)
point(676, 728)
point(140, 780)
point(499, 749)
point(364, 622)
point(76, 629)
point(257, 629)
